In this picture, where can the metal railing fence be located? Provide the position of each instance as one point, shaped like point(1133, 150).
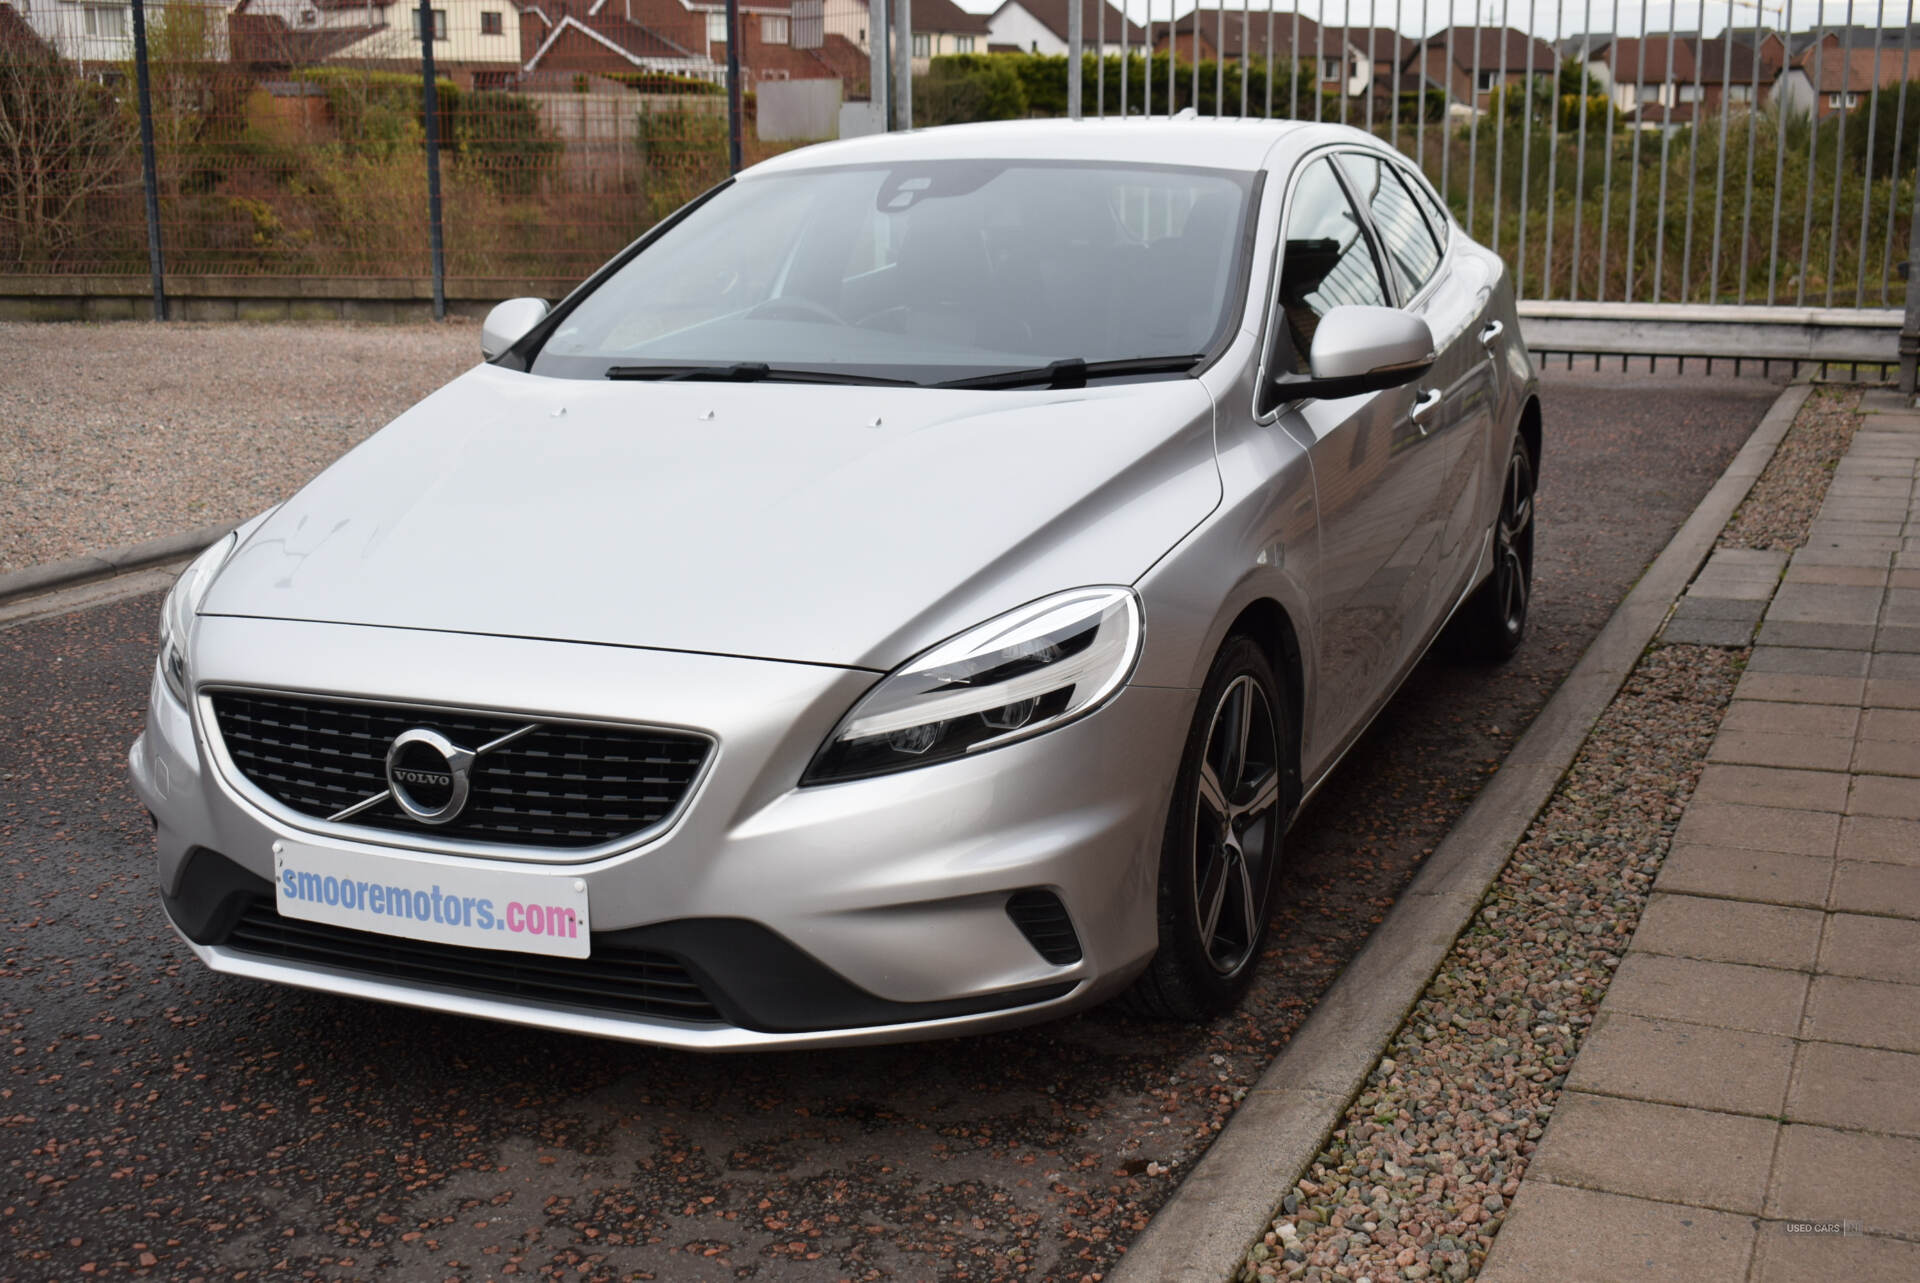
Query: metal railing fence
point(1768, 165)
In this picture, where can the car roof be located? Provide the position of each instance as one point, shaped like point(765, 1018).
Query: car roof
point(1210, 144)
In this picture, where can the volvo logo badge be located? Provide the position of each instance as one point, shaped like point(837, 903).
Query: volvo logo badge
point(429, 774)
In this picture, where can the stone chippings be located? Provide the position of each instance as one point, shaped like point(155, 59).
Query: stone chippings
point(1415, 1180)
point(1781, 506)
point(115, 434)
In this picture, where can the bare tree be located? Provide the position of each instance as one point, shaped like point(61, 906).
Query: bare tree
point(64, 142)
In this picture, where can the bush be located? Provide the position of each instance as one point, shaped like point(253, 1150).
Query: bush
point(1001, 86)
point(502, 135)
point(659, 82)
point(683, 153)
point(968, 87)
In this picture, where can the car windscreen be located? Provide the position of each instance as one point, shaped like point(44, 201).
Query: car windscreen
point(925, 273)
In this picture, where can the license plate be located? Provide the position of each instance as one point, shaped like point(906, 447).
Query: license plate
point(476, 906)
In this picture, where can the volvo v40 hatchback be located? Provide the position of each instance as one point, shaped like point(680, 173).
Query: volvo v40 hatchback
point(907, 592)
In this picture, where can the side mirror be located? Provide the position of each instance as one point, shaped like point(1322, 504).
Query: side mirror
point(508, 323)
point(1364, 349)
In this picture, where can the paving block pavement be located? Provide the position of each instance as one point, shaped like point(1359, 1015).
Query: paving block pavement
point(1747, 1105)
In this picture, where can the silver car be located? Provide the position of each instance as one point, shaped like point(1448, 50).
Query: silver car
point(906, 593)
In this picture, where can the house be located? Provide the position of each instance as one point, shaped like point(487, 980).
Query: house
point(103, 32)
point(943, 27)
point(606, 40)
point(1834, 70)
point(1040, 26)
point(1704, 75)
point(267, 42)
point(1471, 62)
point(1388, 52)
point(939, 27)
point(467, 34)
point(675, 37)
point(1233, 34)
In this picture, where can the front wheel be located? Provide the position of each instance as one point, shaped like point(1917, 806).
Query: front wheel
point(1494, 620)
point(1220, 857)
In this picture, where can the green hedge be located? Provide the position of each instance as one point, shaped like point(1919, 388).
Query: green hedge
point(1003, 86)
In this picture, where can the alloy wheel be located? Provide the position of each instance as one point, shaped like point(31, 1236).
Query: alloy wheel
point(1513, 551)
point(1236, 811)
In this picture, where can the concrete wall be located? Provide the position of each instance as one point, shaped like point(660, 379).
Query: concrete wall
point(128, 298)
point(797, 109)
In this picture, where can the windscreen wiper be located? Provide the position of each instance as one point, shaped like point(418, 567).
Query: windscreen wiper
point(747, 372)
point(1073, 372)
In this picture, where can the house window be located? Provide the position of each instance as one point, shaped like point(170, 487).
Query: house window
point(1329, 69)
point(1838, 101)
point(439, 24)
point(774, 29)
point(716, 28)
point(1740, 93)
point(1689, 93)
point(490, 24)
point(1488, 79)
point(1646, 93)
point(963, 44)
point(104, 21)
point(922, 45)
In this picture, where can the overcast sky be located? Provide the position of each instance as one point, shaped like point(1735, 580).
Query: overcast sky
point(1547, 18)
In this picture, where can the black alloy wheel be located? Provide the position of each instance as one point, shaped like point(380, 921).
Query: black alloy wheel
point(1493, 622)
point(1221, 855)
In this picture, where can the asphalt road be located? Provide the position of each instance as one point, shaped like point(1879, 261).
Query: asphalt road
point(158, 1120)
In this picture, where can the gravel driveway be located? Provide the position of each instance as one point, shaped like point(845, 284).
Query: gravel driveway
point(166, 1121)
point(113, 434)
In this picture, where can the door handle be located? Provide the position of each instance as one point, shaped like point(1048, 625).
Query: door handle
point(1429, 402)
point(1491, 335)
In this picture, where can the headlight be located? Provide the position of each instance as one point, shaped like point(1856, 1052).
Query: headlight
point(1025, 672)
point(176, 614)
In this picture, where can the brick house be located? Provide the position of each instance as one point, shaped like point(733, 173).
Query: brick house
point(1471, 62)
point(1342, 68)
point(1836, 71)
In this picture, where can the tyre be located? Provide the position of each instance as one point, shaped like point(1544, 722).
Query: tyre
point(1221, 854)
point(1494, 621)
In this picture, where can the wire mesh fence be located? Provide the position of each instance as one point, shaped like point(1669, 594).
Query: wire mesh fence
point(289, 135)
point(1770, 162)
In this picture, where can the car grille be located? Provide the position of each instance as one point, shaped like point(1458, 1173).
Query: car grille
point(558, 786)
point(617, 980)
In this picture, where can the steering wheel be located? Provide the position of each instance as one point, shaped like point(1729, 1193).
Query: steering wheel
point(797, 307)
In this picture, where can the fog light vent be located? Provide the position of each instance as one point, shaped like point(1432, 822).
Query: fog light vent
point(1043, 920)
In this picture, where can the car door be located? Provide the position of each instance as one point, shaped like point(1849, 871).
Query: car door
point(1373, 486)
point(1431, 286)
point(1470, 335)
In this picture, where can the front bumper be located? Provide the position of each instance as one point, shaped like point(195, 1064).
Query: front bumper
point(875, 910)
